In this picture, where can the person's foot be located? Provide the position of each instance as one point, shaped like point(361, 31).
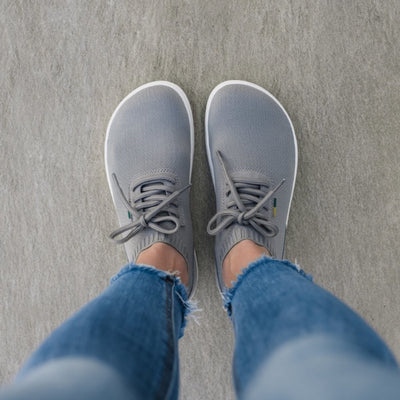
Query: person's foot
point(252, 154)
point(238, 257)
point(149, 157)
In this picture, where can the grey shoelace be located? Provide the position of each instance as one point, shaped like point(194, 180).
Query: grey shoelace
point(155, 207)
point(247, 207)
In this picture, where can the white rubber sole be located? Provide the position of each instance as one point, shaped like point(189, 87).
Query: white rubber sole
point(253, 85)
point(186, 102)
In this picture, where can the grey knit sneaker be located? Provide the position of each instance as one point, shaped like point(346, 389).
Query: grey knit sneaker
point(149, 157)
point(252, 153)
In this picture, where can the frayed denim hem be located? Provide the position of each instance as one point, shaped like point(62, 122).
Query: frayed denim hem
point(228, 294)
point(189, 306)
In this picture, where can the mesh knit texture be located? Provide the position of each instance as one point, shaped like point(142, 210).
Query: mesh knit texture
point(254, 134)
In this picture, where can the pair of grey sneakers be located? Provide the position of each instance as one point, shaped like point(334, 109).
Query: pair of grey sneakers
point(252, 154)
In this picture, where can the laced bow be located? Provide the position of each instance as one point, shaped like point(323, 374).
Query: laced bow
point(239, 210)
point(150, 205)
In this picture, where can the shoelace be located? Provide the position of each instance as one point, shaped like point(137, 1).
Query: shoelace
point(246, 207)
point(155, 206)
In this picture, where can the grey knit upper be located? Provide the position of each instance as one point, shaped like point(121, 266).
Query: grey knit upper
point(148, 154)
point(251, 145)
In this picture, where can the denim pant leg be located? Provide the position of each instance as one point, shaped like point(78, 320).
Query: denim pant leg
point(131, 329)
point(295, 340)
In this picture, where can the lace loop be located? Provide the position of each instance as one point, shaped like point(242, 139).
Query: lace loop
point(240, 210)
point(152, 202)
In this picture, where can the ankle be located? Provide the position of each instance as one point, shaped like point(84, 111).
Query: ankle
point(239, 257)
point(164, 257)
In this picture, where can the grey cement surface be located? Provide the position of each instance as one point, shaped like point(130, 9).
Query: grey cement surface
point(64, 67)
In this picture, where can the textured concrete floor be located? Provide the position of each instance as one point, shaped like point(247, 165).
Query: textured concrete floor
point(65, 65)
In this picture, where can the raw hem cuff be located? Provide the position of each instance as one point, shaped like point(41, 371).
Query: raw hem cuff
point(229, 293)
point(189, 306)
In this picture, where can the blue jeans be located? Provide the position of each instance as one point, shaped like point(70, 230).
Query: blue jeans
point(294, 340)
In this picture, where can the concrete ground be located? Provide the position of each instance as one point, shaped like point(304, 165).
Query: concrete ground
point(65, 65)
